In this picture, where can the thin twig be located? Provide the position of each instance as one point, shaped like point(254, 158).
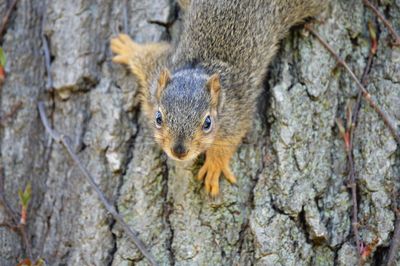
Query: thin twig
point(14, 108)
point(365, 93)
point(354, 122)
point(353, 187)
point(15, 225)
point(125, 12)
point(8, 225)
point(364, 81)
point(346, 134)
point(388, 25)
point(43, 236)
point(25, 239)
point(66, 142)
point(6, 18)
point(46, 51)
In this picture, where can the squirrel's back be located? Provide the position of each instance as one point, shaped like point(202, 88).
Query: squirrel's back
point(241, 33)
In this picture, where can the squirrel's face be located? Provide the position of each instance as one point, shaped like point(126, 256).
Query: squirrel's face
point(185, 116)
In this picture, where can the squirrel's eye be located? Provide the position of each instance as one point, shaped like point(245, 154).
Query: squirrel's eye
point(207, 124)
point(158, 119)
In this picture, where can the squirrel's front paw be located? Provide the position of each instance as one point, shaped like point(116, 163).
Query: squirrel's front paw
point(124, 48)
point(212, 170)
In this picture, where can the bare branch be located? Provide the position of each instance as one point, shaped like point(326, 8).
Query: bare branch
point(353, 116)
point(46, 51)
point(22, 230)
point(125, 12)
point(388, 25)
point(6, 18)
point(8, 225)
point(365, 93)
point(66, 142)
point(14, 108)
point(14, 225)
point(367, 69)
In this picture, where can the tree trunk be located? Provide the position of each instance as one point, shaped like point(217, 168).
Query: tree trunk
point(291, 205)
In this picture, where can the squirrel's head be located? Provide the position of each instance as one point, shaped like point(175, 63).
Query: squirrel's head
point(186, 112)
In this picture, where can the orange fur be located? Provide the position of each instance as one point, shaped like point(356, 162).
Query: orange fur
point(141, 59)
point(214, 86)
point(163, 80)
point(217, 161)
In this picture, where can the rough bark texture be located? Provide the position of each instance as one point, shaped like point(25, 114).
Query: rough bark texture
point(290, 206)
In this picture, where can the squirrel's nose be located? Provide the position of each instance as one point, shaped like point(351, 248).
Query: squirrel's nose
point(179, 150)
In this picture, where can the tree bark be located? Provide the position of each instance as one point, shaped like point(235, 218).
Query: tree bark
point(290, 206)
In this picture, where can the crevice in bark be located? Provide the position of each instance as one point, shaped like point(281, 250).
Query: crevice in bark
point(105, 51)
point(129, 157)
point(275, 207)
point(167, 25)
point(295, 63)
point(245, 231)
point(112, 222)
point(167, 210)
point(114, 248)
point(379, 257)
point(48, 212)
point(336, 254)
point(263, 109)
point(302, 222)
point(303, 225)
point(50, 97)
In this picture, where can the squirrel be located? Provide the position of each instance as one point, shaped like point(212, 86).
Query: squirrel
point(200, 94)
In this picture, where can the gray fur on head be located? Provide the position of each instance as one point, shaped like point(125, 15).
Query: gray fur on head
point(185, 101)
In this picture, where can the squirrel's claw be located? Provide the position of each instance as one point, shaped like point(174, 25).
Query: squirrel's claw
point(211, 171)
point(229, 175)
point(120, 59)
point(202, 172)
point(211, 183)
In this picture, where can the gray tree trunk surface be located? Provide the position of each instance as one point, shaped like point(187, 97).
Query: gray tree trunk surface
point(291, 205)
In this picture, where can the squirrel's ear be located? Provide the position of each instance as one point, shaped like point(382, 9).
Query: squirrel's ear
point(214, 86)
point(163, 80)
